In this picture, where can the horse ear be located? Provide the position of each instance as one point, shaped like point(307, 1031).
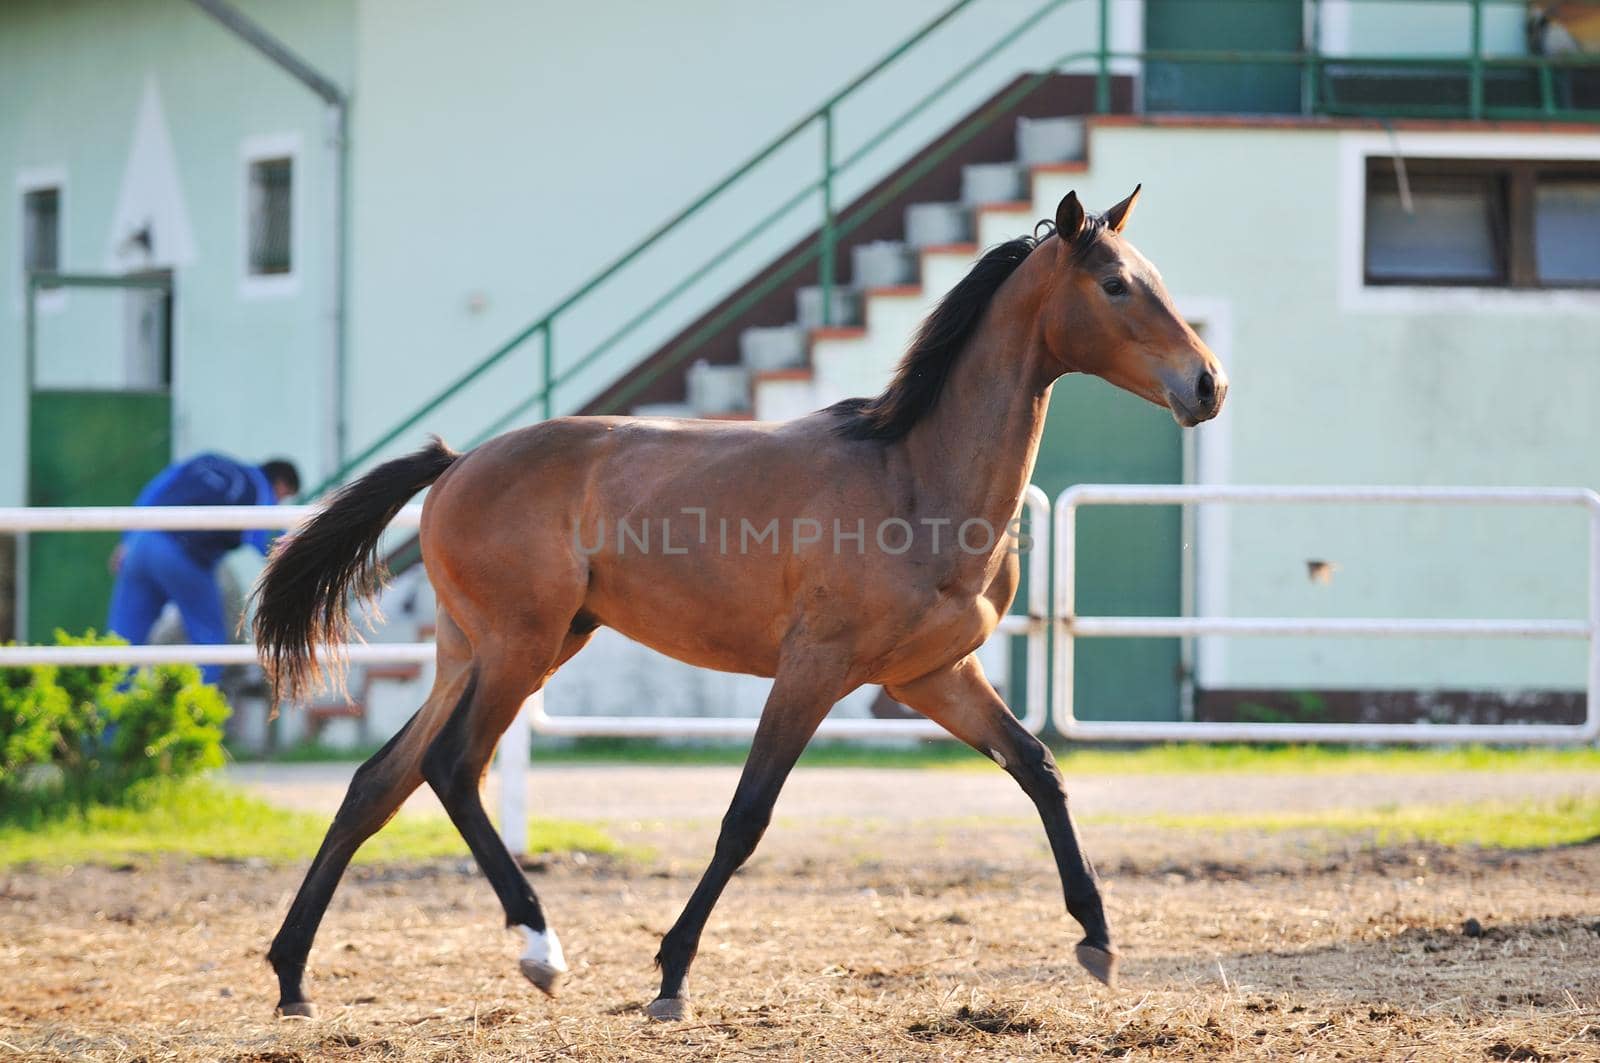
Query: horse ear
point(1117, 216)
point(1069, 217)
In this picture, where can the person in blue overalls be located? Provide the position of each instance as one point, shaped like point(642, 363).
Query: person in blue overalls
point(157, 567)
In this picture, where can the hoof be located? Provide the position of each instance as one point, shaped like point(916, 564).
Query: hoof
point(1099, 962)
point(543, 975)
point(668, 1009)
point(297, 1009)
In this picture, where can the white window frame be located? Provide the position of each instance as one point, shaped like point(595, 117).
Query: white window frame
point(38, 179)
point(262, 148)
point(1356, 296)
point(1208, 459)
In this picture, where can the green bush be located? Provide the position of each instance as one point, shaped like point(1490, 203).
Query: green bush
point(90, 733)
point(167, 723)
point(32, 711)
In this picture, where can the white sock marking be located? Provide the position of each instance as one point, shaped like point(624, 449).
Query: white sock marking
point(543, 947)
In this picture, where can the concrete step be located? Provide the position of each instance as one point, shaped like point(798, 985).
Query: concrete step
point(1047, 140)
point(778, 347)
point(936, 224)
point(992, 182)
point(663, 409)
point(882, 264)
point(718, 389)
point(846, 308)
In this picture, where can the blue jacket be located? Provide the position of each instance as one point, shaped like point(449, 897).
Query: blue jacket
point(211, 480)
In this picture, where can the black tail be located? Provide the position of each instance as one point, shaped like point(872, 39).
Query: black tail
point(303, 597)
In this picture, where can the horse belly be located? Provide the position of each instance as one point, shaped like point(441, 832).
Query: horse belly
point(689, 611)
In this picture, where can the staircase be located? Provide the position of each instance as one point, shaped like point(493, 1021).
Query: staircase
point(789, 369)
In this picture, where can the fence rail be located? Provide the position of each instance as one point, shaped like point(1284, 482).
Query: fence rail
point(1070, 626)
point(1047, 698)
point(1034, 626)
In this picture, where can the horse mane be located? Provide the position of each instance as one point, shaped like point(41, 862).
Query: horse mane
point(943, 335)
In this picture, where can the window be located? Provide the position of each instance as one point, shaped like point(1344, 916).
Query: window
point(1521, 224)
point(41, 229)
point(1566, 230)
point(271, 192)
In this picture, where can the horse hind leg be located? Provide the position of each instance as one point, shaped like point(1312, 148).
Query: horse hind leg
point(376, 792)
point(454, 766)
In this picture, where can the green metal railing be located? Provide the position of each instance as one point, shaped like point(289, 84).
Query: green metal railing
point(1317, 99)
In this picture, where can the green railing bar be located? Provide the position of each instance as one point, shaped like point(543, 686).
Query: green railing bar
point(825, 270)
point(547, 369)
point(1475, 91)
point(690, 278)
point(899, 121)
point(905, 46)
point(1491, 113)
point(1576, 59)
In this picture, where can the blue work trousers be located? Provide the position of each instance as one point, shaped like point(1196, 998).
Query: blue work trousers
point(156, 570)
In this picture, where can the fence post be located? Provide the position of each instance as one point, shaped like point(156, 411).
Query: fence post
point(516, 748)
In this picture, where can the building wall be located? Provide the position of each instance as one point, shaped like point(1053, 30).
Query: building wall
point(501, 154)
point(79, 82)
point(1419, 27)
point(1334, 383)
point(505, 153)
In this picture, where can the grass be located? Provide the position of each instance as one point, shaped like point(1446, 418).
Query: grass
point(1075, 760)
point(1321, 759)
point(205, 819)
point(1489, 825)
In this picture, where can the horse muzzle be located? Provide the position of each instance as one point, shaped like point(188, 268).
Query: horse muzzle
point(1195, 398)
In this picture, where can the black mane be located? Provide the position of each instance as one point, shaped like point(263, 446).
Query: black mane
point(939, 342)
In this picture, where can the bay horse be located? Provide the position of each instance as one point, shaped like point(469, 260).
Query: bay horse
point(514, 537)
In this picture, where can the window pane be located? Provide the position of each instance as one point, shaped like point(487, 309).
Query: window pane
point(1566, 231)
point(1449, 234)
point(270, 192)
point(41, 229)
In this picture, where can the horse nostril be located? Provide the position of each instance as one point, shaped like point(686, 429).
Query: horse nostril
point(1206, 386)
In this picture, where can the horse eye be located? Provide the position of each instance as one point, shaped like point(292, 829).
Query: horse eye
point(1114, 286)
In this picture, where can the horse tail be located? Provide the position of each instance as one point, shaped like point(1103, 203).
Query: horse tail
point(302, 599)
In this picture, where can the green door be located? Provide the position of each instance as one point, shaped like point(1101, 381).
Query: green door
point(1229, 26)
point(1129, 557)
point(86, 448)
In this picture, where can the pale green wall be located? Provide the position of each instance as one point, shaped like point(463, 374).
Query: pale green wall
point(250, 372)
point(1331, 386)
point(509, 151)
point(1421, 27)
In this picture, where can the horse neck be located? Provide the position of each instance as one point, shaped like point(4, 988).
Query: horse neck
point(973, 453)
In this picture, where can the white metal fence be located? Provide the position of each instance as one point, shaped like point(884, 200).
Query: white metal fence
point(1071, 626)
point(1034, 626)
point(1046, 697)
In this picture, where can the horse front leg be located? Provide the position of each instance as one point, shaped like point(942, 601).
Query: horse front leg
point(807, 685)
point(961, 700)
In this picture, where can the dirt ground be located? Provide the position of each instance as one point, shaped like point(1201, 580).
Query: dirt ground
point(939, 935)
